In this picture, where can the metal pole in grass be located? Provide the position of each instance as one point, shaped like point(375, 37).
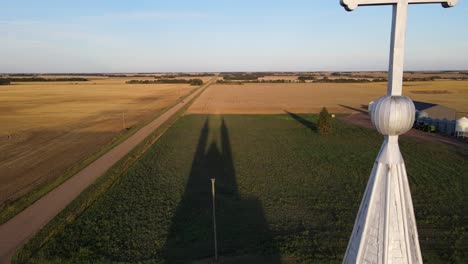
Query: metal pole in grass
point(213, 195)
point(123, 120)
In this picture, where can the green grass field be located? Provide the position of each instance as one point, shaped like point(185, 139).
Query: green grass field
point(283, 191)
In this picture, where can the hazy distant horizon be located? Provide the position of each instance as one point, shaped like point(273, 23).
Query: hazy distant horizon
point(213, 36)
point(198, 72)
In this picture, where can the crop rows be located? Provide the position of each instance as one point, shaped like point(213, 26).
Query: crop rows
point(282, 191)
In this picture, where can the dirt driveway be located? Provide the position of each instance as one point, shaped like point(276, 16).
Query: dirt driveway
point(23, 226)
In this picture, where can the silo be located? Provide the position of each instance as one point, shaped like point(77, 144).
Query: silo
point(442, 127)
point(421, 114)
point(462, 127)
point(451, 125)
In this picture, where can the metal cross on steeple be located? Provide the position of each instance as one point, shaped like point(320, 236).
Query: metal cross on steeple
point(397, 49)
point(385, 227)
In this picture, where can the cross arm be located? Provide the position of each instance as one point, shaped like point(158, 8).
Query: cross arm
point(350, 5)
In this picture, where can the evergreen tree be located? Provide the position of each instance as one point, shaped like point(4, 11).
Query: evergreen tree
point(325, 123)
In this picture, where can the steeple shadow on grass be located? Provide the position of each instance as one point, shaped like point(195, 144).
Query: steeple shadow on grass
point(362, 111)
point(241, 225)
point(303, 121)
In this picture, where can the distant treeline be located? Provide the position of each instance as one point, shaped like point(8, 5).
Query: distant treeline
point(245, 78)
point(361, 76)
point(4, 82)
point(230, 82)
point(167, 81)
point(433, 78)
point(256, 81)
point(306, 78)
point(325, 79)
point(138, 74)
point(179, 75)
point(261, 74)
point(185, 75)
point(56, 74)
point(425, 79)
point(341, 74)
point(23, 74)
point(347, 80)
point(242, 76)
point(40, 79)
point(164, 76)
point(302, 80)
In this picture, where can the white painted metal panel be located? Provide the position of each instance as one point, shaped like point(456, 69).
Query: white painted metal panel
point(385, 228)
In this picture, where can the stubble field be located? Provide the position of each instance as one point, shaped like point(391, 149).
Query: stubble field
point(49, 127)
point(268, 98)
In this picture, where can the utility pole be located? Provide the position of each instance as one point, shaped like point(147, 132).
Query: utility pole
point(213, 195)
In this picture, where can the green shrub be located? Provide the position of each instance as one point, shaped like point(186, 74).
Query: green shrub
point(324, 123)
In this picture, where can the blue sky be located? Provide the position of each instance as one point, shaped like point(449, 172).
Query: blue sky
point(222, 35)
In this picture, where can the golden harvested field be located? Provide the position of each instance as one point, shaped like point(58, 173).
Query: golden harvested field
point(48, 127)
point(278, 98)
point(407, 74)
point(453, 94)
point(311, 97)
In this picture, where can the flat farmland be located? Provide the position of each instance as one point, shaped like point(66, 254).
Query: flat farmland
point(262, 98)
point(278, 98)
point(284, 193)
point(453, 94)
point(48, 127)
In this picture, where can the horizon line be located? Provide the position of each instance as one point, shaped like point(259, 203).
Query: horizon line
point(235, 71)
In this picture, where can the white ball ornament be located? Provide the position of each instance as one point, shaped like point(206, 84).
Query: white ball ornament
point(393, 115)
point(349, 5)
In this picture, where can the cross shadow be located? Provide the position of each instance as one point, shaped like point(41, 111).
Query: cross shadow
point(419, 105)
point(365, 107)
point(355, 109)
point(303, 121)
point(241, 224)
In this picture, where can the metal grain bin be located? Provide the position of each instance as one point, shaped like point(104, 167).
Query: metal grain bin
point(442, 126)
point(451, 125)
